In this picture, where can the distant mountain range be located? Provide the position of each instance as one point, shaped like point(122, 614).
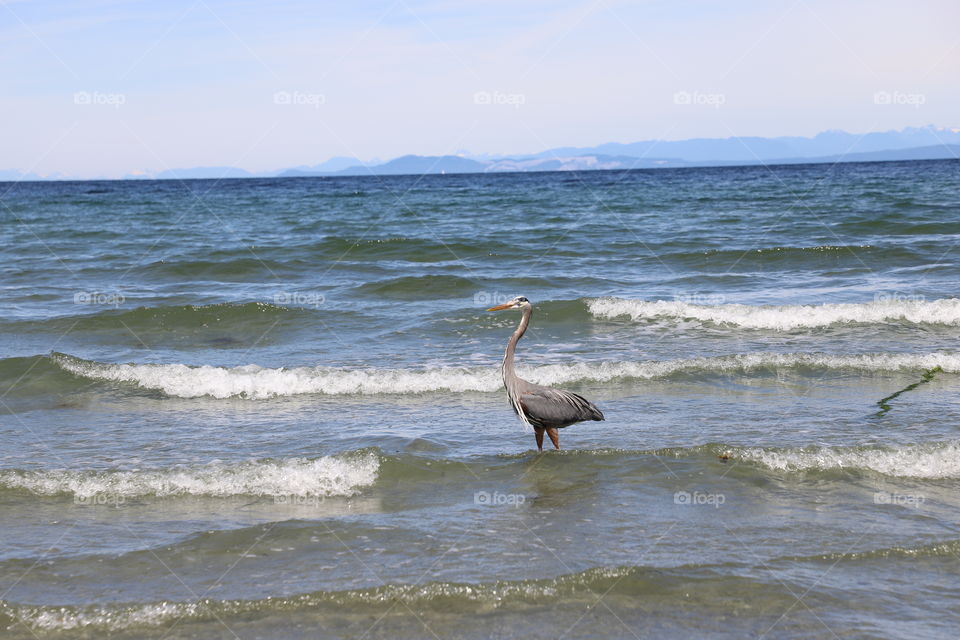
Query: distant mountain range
point(420, 165)
point(912, 143)
point(830, 146)
point(753, 149)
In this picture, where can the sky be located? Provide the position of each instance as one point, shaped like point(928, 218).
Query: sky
point(110, 88)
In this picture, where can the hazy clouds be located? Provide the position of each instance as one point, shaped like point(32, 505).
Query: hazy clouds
point(105, 88)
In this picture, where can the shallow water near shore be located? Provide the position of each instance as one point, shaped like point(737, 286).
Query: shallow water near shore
point(272, 408)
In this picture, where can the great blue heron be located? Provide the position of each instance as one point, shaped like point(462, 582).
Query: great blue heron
point(542, 408)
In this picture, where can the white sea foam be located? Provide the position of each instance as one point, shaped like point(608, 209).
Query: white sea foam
point(108, 618)
point(783, 317)
point(931, 461)
point(255, 382)
point(326, 476)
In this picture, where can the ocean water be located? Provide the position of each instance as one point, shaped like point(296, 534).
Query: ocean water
point(272, 408)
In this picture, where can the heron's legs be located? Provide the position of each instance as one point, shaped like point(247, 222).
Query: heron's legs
point(538, 432)
point(554, 438)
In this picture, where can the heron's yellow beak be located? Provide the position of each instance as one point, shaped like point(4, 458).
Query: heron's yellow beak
point(501, 307)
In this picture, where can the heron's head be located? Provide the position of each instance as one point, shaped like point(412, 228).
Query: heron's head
point(517, 303)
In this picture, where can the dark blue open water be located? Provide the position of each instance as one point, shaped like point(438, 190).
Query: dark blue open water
point(271, 408)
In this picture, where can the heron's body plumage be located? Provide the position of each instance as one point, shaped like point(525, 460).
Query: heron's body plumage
point(548, 408)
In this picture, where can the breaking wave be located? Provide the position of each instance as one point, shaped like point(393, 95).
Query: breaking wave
point(927, 461)
point(327, 476)
point(718, 585)
point(426, 597)
point(254, 382)
point(783, 317)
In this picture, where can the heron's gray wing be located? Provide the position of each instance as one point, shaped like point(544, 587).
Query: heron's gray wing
point(546, 407)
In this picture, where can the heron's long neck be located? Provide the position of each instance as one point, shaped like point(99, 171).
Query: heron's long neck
point(507, 367)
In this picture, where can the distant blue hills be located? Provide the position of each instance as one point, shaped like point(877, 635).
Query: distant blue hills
point(754, 149)
point(912, 143)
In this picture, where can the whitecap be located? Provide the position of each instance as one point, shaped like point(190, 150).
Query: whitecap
point(783, 317)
